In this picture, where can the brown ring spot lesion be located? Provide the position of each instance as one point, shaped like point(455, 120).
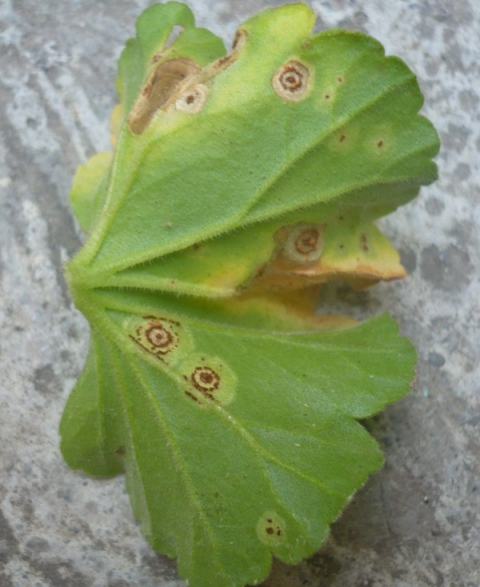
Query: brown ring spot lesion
point(205, 379)
point(209, 380)
point(307, 241)
point(291, 81)
point(303, 243)
point(158, 336)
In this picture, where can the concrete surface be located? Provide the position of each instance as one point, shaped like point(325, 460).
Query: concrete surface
point(416, 523)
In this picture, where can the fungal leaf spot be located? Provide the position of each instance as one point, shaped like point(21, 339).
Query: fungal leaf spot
point(291, 81)
point(163, 338)
point(161, 85)
point(344, 139)
point(192, 100)
point(271, 529)
point(380, 140)
point(209, 378)
point(302, 243)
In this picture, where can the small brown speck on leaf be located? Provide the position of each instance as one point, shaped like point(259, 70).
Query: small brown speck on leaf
point(191, 396)
point(364, 242)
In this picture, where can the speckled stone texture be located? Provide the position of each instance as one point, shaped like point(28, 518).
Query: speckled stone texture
point(415, 523)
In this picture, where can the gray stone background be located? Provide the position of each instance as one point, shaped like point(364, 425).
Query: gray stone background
point(416, 523)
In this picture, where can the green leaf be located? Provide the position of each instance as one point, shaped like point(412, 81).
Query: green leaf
point(239, 184)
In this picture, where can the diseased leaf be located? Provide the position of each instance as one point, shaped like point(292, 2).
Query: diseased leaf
point(239, 184)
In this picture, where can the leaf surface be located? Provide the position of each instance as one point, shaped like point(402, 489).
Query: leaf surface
point(239, 184)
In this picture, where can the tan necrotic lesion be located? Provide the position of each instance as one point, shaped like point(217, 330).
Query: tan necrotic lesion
point(163, 83)
point(178, 84)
